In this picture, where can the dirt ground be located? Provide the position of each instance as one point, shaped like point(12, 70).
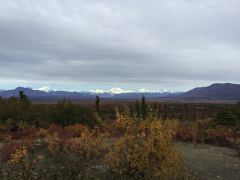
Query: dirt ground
point(211, 162)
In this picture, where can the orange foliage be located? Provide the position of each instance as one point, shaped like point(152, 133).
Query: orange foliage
point(9, 148)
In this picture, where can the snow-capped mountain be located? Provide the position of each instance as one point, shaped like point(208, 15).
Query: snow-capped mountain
point(215, 91)
point(113, 93)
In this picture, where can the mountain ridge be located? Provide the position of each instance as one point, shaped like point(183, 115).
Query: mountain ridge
point(214, 91)
point(112, 94)
point(217, 91)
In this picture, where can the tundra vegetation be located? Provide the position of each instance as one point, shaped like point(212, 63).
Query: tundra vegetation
point(69, 141)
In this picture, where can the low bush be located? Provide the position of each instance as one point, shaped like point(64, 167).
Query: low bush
point(145, 150)
point(9, 148)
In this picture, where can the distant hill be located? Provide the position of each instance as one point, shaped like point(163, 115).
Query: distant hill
point(54, 95)
point(226, 91)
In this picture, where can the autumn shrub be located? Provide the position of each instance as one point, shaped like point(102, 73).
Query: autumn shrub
point(84, 141)
point(184, 131)
point(26, 133)
point(62, 133)
point(90, 145)
point(109, 127)
point(53, 142)
point(22, 165)
point(57, 137)
point(9, 148)
point(55, 128)
point(236, 144)
point(57, 160)
point(76, 156)
point(220, 135)
point(145, 150)
point(195, 131)
point(41, 133)
point(198, 131)
point(5, 136)
point(77, 129)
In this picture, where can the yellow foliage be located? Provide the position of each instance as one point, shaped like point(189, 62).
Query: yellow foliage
point(87, 144)
point(19, 156)
point(145, 150)
point(41, 133)
point(23, 164)
point(53, 142)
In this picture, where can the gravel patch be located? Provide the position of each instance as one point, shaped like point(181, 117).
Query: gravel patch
point(207, 162)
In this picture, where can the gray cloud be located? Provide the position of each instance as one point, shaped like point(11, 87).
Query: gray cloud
point(145, 42)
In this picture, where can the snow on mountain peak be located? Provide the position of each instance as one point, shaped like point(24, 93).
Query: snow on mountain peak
point(114, 90)
point(45, 89)
point(117, 90)
point(142, 90)
point(97, 91)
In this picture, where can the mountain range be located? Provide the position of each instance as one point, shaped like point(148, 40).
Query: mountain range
point(226, 91)
point(115, 93)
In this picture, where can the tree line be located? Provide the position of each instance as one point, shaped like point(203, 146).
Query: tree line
point(15, 111)
point(20, 111)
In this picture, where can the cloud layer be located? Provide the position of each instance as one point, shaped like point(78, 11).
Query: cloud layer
point(145, 43)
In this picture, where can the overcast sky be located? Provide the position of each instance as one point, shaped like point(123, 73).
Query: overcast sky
point(131, 44)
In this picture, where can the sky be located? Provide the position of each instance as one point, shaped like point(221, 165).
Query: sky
point(129, 44)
